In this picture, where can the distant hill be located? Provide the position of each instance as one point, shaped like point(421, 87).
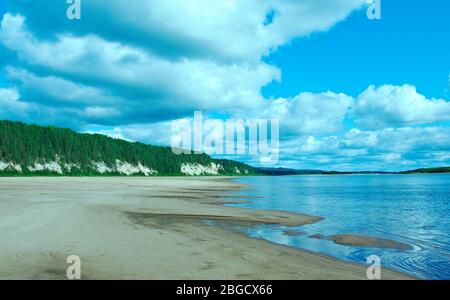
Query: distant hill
point(27, 150)
point(287, 172)
point(429, 170)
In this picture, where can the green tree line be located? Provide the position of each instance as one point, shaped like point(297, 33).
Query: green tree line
point(25, 145)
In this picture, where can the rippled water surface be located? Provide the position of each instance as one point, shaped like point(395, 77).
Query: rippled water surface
point(413, 209)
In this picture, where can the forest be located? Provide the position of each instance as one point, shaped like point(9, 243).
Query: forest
point(25, 145)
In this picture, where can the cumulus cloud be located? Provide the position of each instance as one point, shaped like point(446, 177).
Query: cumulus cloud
point(59, 90)
point(9, 102)
point(189, 84)
point(388, 149)
point(131, 77)
point(385, 140)
point(396, 106)
point(145, 133)
point(13, 107)
point(223, 29)
point(310, 113)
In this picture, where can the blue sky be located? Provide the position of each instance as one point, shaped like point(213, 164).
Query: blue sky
point(411, 40)
point(350, 93)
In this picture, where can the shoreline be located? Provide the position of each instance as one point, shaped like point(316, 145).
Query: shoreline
point(148, 228)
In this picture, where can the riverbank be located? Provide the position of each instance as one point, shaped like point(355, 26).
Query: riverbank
point(147, 228)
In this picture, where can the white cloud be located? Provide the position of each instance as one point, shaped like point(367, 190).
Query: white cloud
point(310, 113)
point(398, 140)
point(10, 104)
point(388, 149)
point(101, 112)
point(397, 106)
point(227, 72)
point(59, 89)
point(145, 133)
point(224, 29)
point(197, 84)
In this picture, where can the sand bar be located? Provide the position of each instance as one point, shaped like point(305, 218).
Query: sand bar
point(147, 228)
point(368, 241)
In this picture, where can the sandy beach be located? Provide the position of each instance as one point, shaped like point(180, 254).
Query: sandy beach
point(147, 228)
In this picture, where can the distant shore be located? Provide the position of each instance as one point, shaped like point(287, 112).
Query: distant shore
point(286, 172)
point(148, 228)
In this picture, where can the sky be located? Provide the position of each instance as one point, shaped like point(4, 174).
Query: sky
point(350, 93)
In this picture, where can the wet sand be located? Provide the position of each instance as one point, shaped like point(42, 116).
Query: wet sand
point(368, 241)
point(363, 241)
point(147, 228)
